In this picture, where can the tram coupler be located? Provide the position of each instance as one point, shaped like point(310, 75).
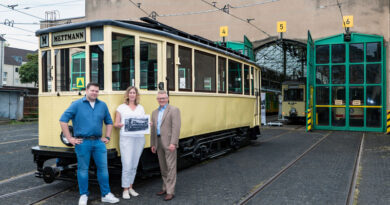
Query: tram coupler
point(51, 173)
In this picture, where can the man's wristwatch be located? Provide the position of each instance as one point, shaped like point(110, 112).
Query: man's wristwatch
point(107, 137)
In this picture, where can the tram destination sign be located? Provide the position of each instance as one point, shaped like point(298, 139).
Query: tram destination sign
point(68, 37)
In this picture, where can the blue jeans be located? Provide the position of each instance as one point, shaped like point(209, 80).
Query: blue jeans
point(98, 150)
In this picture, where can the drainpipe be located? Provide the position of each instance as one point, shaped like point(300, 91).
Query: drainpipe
point(1, 60)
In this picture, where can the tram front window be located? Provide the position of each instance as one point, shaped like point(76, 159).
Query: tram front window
point(46, 71)
point(70, 69)
point(295, 94)
point(123, 70)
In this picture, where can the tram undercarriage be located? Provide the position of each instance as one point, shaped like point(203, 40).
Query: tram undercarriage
point(196, 148)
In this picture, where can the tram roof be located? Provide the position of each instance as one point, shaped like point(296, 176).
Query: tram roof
point(153, 27)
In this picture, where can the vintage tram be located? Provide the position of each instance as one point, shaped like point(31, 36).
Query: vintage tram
point(293, 100)
point(216, 89)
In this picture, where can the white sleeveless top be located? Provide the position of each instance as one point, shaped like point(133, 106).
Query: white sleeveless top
point(125, 112)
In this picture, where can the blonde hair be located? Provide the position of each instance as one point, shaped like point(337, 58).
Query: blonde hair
point(127, 95)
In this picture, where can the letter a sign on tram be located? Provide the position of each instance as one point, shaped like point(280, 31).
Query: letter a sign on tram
point(80, 82)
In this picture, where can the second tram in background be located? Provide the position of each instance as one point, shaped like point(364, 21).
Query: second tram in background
point(294, 98)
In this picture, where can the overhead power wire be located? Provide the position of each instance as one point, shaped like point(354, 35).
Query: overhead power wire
point(139, 7)
point(341, 13)
point(254, 4)
point(189, 13)
point(53, 4)
point(22, 29)
point(16, 39)
point(234, 16)
point(22, 12)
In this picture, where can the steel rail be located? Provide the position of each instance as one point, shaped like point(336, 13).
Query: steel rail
point(351, 194)
point(249, 196)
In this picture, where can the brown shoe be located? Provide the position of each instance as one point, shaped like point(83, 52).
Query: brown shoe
point(161, 193)
point(169, 197)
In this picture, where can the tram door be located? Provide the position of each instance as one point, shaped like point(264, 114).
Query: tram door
point(150, 62)
point(349, 83)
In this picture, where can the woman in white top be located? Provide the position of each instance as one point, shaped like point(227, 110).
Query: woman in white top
point(131, 145)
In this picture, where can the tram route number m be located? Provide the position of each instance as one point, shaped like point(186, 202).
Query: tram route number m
point(68, 37)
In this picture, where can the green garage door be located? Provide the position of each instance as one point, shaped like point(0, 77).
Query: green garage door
point(347, 83)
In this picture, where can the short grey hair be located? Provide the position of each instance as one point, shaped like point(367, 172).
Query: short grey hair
point(162, 92)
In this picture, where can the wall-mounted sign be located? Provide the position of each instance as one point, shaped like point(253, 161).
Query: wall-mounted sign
point(281, 26)
point(44, 40)
point(223, 31)
point(347, 21)
point(68, 37)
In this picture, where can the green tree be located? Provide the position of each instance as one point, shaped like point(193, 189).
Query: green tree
point(28, 72)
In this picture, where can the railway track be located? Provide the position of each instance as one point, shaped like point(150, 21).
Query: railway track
point(271, 180)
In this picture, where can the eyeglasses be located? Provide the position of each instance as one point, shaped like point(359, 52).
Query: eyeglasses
point(161, 98)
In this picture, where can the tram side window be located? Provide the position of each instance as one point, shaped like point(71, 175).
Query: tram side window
point(246, 79)
point(235, 77)
point(70, 69)
point(221, 74)
point(185, 69)
point(252, 81)
point(293, 94)
point(97, 65)
point(46, 71)
point(204, 72)
point(148, 65)
point(171, 66)
point(123, 69)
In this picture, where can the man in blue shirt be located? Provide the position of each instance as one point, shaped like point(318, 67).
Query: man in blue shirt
point(87, 115)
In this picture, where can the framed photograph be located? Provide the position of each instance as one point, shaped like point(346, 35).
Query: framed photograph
point(137, 124)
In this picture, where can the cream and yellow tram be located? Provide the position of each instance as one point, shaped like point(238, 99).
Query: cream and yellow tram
point(293, 104)
point(216, 89)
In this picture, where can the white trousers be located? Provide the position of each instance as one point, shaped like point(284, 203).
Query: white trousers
point(131, 150)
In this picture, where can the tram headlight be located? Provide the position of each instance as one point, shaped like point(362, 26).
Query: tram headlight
point(63, 138)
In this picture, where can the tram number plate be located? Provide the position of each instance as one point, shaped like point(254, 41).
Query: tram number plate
point(347, 21)
point(356, 102)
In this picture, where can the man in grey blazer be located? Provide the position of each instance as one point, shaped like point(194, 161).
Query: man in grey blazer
point(164, 140)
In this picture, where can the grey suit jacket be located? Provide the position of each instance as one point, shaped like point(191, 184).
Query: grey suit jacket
point(170, 127)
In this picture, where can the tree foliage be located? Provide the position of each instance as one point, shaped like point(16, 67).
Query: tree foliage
point(28, 72)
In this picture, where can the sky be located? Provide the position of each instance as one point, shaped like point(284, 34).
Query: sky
point(27, 15)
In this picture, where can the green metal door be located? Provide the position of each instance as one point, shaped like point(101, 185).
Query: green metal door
point(349, 84)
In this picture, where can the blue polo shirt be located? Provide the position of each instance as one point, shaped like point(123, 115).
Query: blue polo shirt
point(87, 121)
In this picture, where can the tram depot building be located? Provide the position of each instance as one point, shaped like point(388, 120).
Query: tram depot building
point(347, 71)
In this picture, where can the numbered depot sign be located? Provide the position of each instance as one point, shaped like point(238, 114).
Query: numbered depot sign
point(281, 26)
point(347, 21)
point(80, 82)
point(223, 31)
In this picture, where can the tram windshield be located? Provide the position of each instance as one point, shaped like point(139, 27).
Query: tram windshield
point(295, 94)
